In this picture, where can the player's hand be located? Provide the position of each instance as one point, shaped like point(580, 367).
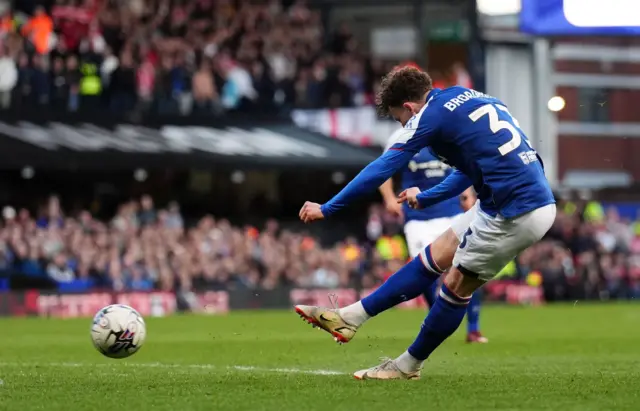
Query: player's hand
point(410, 196)
point(467, 199)
point(310, 212)
point(394, 208)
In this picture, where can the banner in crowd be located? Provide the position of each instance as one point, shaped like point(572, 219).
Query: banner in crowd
point(580, 17)
point(160, 303)
point(358, 125)
point(65, 140)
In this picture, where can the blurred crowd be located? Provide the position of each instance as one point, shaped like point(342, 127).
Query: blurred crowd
point(590, 253)
point(144, 248)
point(179, 57)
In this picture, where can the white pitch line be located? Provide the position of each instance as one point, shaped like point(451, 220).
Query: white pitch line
point(245, 368)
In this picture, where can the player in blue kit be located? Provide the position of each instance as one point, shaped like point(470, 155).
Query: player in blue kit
point(475, 134)
point(423, 226)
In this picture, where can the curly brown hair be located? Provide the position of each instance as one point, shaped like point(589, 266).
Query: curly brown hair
point(402, 85)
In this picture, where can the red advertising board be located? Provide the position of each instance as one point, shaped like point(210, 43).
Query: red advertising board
point(345, 296)
point(149, 304)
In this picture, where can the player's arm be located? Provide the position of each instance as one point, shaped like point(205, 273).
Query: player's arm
point(454, 185)
point(386, 189)
point(373, 175)
point(467, 199)
point(407, 142)
point(369, 179)
point(389, 197)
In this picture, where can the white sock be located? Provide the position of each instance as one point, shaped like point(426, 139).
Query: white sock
point(407, 363)
point(354, 314)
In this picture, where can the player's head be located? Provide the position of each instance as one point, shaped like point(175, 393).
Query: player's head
point(403, 93)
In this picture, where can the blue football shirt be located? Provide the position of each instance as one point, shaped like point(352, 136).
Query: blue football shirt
point(475, 134)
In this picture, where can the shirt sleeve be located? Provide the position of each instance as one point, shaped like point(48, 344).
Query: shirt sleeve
point(403, 145)
point(452, 186)
point(394, 137)
point(369, 179)
point(419, 132)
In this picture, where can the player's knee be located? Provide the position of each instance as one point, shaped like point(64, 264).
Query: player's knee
point(444, 248)
point(460, 284)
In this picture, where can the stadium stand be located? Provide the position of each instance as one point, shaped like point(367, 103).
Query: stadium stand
point(172, 57)
point(209, 57)
point(144, 247)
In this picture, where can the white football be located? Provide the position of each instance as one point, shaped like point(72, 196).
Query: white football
point(118, 331)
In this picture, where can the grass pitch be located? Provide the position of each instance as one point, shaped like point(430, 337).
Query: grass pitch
point(573, 357)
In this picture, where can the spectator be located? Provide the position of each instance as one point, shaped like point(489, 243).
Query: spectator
point(180, 87)
point(39, 31)
point(147, 215)
point(263, 85)
point(51, 215)
point(59, 270)
point(122, 85)
point(173, 217)
point(109, 65)
point(166, 104)
point(7, 25)
point(31, 264)
point(73, 77)
point(238, 91)
point(145, 77)
point(59, 88)
point(204, 92)
point(72, 22)
point(8, 78)
point(40, 81)
point(23, 90)
point(90, 82)
point(343, 40)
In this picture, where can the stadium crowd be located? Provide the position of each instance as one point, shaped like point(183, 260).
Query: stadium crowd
point(586, 255)
point(175, 56)
point(184, 57)
point(590, 253)
point(143, 248)
point(209, 56)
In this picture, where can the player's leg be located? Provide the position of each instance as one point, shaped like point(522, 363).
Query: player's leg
point(488, 245)
point(419, 234)
point(415, 278)
point(444, 318)
point(412, 280)
point(473, 319)
point(436, 258)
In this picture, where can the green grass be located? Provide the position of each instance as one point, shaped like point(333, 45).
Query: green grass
point(582, 357)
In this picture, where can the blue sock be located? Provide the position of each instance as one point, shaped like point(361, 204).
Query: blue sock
point(443, 319)
point(431, 295)
point(473, 312)
point(415, 278)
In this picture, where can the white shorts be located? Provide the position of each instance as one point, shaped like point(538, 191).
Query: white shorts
point(490, 243)
point(420, 234)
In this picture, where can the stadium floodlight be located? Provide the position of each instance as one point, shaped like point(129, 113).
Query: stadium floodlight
point(338, 177)
point(140, 175)
point(27, 172)
point(238, 177)
point(556, 103)
point(498, 7)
